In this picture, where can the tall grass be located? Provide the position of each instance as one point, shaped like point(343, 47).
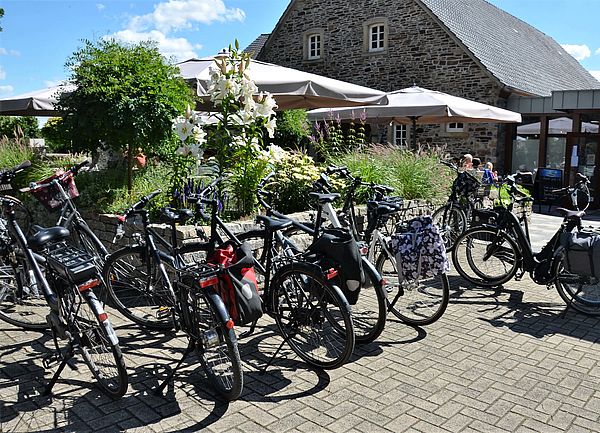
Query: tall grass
point(413, 174)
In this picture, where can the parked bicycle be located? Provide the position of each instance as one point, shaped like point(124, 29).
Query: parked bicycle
point(454, 217)
point(337, 249)
point(75, 314)
point(186, 296)
point(418, 302)
point(494, 252)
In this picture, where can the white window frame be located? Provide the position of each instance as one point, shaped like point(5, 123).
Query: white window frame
point(314, 44)
point(400, 134)
point(380, 37)
point(455, 127)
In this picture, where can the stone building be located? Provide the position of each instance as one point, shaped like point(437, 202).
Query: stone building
point(467, 48)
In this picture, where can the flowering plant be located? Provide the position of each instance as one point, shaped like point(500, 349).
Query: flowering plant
point(244, 117)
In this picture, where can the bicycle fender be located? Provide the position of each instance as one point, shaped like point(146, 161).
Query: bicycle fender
point(371, 271)
point(102, 317)
point(220, 308)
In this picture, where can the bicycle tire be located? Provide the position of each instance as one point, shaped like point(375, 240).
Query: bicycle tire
point(313, 316)
point(136, 287)
point(99, 346)
point(22, 303)
point(577, 291)
point(216, 346)
point(452, 222)
point(83, 238)
point(22, 214)
point(418, 303)
point(471, 249)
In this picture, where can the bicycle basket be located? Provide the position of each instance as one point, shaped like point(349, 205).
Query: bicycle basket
point(50, 195)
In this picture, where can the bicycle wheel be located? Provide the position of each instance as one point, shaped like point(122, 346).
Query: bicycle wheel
point(139, 288)
point(486, 257)
point(418, 302)
point(312, 316)
point(22, 215)
point(83, 238)
point(21, 301)
point(578, 291)
point(99, 345)
point(216, 346)
point(452, 222)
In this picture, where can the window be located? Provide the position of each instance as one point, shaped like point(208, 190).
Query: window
point(314, 41)
point(455, 127)
point(314, 46)
point(377, 37)
point(400, 135)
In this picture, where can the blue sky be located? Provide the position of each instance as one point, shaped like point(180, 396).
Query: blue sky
point(39, 35)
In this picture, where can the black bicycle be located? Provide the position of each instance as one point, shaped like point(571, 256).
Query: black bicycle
point(494, 252)
point(156, 288)
point(74, 312)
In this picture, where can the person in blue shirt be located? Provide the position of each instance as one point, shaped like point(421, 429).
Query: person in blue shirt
point(489, 175)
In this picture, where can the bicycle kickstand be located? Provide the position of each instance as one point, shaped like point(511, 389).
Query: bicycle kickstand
point(268, 364)
point(70, 352)
point(161, 387)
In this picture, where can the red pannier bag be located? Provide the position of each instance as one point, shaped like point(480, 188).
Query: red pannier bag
point(237, 286)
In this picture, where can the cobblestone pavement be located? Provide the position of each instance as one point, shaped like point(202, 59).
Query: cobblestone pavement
point(509, 359)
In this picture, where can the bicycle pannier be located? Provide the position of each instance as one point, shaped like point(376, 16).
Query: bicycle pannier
point(582, 253)
point(419, 249)
point(238, 287)
point(339, 246)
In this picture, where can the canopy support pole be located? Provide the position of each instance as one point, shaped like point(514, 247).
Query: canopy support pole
point(414, 131)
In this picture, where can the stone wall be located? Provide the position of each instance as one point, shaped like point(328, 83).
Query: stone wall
point(419, 52)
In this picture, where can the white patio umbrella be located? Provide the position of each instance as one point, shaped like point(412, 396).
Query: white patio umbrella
point(36, 103)
point(560, 125)
point(418, 105)
point(290, 88)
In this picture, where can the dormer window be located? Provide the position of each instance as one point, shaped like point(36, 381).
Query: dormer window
point(375, 35)
point(314, 44)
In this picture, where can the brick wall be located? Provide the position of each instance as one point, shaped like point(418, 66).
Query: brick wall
point(419, 52)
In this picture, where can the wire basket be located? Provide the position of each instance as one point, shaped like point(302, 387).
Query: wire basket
point(50, 196)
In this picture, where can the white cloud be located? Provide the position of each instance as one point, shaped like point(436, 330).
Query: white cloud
point(595, 74)
point(5, 52)
point(2, 73)
point(53, 83)
point(183, 14)
point(6, 90)
point(580, 52)
point(100, 6)
point(597, 51)
point(180, 48)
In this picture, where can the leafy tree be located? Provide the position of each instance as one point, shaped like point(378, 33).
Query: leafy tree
point(1, 15)
point(54, 135)
point(125, 97)
point(10, 125)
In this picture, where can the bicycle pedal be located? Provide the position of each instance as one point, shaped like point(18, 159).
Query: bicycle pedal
point(50, 360)
point(163, 312)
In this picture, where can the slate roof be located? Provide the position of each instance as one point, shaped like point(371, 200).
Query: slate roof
point(517, 54)
point(256, 45)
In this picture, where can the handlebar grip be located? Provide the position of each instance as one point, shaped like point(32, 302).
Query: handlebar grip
point(581, 178)
point(75, 169)
point(21, 167)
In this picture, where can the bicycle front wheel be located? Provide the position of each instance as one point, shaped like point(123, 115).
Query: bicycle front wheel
point(486, 256)
point(216, 346)
point(419, 302)
point(21, 300)
point(99, 346)
point(312, 316)
point(139, 288)
point(578, 291)
point(452, 221)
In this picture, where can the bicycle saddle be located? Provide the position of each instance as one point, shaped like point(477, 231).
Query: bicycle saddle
point(325, 198)
point(173, 215)
point(383, 208)
point(570, 214)
point(44, 236)
point(273, 223)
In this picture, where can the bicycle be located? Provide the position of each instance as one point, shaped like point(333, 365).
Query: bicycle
point(454, 217)
point(21, 302)
point(369, 306)
point(56, 193)
point(416, 302)
point(497, 252)
point(75, 314)
point(141, 289)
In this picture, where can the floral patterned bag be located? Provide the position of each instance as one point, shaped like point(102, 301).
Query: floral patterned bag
point(419, 249)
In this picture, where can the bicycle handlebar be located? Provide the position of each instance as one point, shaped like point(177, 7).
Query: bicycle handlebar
point(139, 205)
point(8, 175)
point(75, 169)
